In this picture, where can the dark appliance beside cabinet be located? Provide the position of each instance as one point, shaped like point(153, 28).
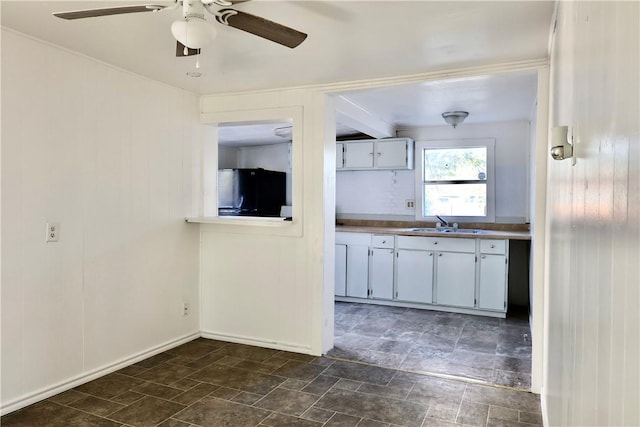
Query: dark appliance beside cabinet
point(251, 192)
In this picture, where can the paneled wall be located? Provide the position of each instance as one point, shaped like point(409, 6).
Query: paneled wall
point(383, 194)
point(592, 374)
point(113, 159)
point(261, 281)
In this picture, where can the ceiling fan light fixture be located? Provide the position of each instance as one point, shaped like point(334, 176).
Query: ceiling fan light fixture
point(193, 32)
point(454, 118)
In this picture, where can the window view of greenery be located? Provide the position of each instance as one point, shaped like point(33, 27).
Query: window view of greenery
point(455, 182)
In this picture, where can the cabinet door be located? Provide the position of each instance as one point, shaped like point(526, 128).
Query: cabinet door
point(493, 282)
point(415, 276)
point(358, 155)
point(391, 154)
point(357, 271)
point(382, 273)
point(341, 271)
point(339, 156)
point(455, 279)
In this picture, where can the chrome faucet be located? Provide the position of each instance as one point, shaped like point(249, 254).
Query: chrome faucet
point(444, 226)
point(446, 223)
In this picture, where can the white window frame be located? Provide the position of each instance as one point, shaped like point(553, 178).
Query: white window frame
point(489, 144)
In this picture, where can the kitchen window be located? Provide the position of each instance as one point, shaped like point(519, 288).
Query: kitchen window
point(455, 180)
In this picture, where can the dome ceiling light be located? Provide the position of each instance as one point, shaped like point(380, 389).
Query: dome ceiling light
point(454, 118)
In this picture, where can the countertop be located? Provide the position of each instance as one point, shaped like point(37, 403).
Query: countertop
point(402, 231)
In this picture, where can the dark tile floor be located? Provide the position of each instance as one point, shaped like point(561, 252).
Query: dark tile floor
point(213, 383)
point(491, 350)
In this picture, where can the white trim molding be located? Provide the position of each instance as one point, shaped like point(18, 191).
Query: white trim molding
point(47, 392)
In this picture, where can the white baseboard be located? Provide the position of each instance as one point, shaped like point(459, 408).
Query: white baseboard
point(295, 348)
point(47, 392)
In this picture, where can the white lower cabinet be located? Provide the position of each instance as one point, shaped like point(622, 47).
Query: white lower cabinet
point(341, 271)
point(381, 279)
point(415, 276)
point(352, 264)
point(452, 273)
point(357, 271)
point(493, 275)
point(455, 279)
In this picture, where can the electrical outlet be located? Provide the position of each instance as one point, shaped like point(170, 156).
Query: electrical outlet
point(410, 203)
point(185, 309)
point(52, 232)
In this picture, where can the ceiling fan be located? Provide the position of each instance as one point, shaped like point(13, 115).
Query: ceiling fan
point(193, 32)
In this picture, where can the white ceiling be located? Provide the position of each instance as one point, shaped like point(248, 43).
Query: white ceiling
point(244, 135)
point(491, 98)
point(348, 40)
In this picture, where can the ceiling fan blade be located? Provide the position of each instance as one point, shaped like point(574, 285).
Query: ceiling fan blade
point(190, 52)
point(261, 27)
point(91, 13)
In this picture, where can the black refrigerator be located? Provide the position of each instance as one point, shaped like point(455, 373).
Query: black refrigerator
point(251, 192)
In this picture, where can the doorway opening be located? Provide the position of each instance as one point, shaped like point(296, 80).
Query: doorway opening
point(429, 334)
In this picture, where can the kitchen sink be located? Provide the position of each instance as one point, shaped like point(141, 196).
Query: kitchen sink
point(448, 230)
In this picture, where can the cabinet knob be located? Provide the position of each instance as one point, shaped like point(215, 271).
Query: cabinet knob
point(384, 241)
point(430, 253)
point(435, 243)
point(483, 256)
point(493, 246)
point(439, 254)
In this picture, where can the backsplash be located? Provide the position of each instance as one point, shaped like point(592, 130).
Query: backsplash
point(380, 193)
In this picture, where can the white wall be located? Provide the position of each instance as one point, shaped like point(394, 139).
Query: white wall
point(113, 158)
point(262, 284)
point(227, 157)
point(383, 194)
point(375, 194)
point(592, 374)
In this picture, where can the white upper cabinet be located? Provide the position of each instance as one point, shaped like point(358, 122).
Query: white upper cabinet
point(358, 155)
point(393, 153)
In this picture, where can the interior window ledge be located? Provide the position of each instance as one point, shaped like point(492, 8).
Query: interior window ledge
point(241, 220)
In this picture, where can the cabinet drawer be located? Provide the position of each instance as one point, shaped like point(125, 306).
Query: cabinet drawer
point(382, 241)
point(450, 244)
point(346, 238)
point(489, 246)
point(453, 244)
point(415, 242)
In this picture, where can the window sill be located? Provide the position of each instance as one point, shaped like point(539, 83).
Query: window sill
point(243, 220)
point(276, 226)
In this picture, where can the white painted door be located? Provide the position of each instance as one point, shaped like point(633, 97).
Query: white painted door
point(391, 154)
point(341, 270)
point(415, 276)
point(339, 156)
point(493, 282)
point(382, 273)
point(455, 279)
point(358, 155)
point(357, 271)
